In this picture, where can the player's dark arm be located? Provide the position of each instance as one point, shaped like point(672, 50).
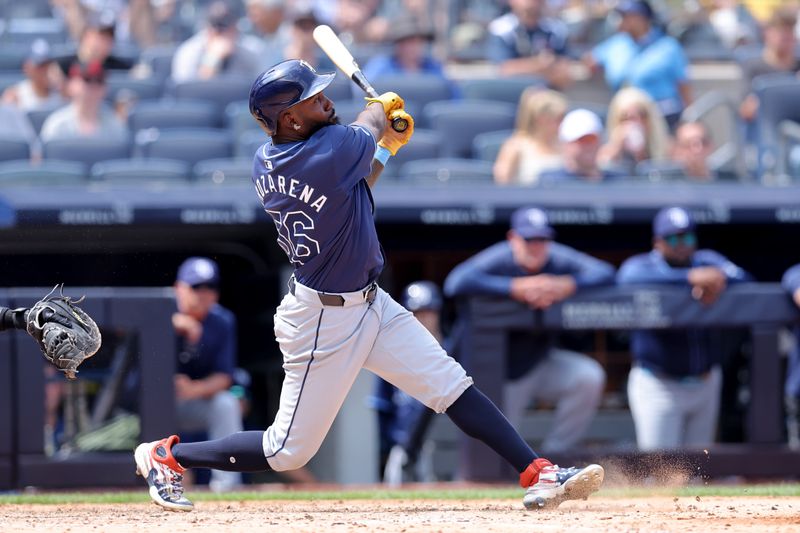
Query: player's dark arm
point(12, 318)
point(373, 118)
point(377, 169)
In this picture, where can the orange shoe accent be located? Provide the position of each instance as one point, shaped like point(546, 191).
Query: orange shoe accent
point(530, 475)
point(168, 459)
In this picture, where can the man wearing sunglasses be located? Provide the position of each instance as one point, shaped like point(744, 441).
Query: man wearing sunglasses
point(533, 269)
point(675, 380)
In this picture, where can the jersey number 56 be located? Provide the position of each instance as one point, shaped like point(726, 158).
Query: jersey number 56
point(293, 235)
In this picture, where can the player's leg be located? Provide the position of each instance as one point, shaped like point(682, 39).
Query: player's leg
point(703, 419)
point(574, 383)
point(408, 356)
point(657, 413)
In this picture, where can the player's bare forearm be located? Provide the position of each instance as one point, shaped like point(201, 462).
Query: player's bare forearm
point(373, 118)
point(377, 170)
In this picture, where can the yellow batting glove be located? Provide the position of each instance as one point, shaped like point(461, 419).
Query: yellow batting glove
point(390, 102)
point(393, 140)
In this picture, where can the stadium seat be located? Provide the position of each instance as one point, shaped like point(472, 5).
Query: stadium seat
point(777, 94)
point(219, 91)
point(486, 146)
point(426, 144)
point(165, 114)
point(86, 150)
point(225, 171)
point(24, 31)
point(250, 141)
point(341, 89)
point(447, 171)
point(158, 59)
point(238, 118)
point(140, 170)
point(500, 89)
point(144, 89)
point(654, 170)
point(48, 172)
point(460, 121)
point(348, 110)
point(12, 148)
point(189, 145)
point(38, 116)
point(12, 56)
point(416, 90)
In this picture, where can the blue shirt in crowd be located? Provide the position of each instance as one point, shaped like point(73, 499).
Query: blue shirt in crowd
point(676, 353)
point(509, 39)
point(216, 351)
point(791, 282)
point(315, 192)
point(657, 65)
point(490, 273)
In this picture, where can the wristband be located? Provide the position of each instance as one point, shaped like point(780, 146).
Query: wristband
point(382, 155)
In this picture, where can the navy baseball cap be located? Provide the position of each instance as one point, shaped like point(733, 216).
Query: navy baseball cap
point(422, 295)
point(197, 271)
point(672, 221)
point(40, 52)
point(635, 7)
point(531, 223)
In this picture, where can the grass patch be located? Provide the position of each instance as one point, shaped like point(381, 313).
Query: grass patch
point(481, 493)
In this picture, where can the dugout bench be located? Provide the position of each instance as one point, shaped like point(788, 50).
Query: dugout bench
point(763, 308)
point(144, 313)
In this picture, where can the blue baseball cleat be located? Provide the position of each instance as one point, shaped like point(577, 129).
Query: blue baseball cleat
point(556, 485)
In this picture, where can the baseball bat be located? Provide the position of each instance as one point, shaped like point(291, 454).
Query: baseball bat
point(342, 58)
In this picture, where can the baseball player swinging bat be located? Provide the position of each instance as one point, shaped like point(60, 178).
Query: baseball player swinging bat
point(342, 58)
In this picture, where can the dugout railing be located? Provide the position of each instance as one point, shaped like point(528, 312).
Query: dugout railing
point(763, 308)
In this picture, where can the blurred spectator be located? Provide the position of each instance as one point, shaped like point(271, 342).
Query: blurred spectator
point(206, 360)
point(96, 44)
point(530, 268)
point(777, 56)
point(356, 21)
point(580, 133)
point(675, 380)
point(86, 115)
point(42, 87)
point(692, 148)
point(133, 20)
point(732, 23)
point(642, 55)
point(410, 54)
point(267, 30)
point(636, 131)
point(215, 50)
point(14, 124)
point(301, 42)
point(533, 147)
point(524, 42)
point(791, 282)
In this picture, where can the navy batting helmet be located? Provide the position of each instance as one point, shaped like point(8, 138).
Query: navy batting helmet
point(282, 86)
point(422, 295)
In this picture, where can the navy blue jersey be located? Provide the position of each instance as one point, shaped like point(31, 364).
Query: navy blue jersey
point(316, 194)
point(216, 351)
point(677, 353)
point(490, 272)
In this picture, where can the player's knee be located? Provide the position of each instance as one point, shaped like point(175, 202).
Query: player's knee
point(290, 461)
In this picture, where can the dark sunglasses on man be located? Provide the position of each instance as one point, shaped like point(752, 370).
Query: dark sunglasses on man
point(687, 239)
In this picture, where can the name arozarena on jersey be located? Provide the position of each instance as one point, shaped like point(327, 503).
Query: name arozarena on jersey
point(300, 191)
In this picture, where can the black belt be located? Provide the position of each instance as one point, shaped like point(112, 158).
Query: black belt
point(337, 300)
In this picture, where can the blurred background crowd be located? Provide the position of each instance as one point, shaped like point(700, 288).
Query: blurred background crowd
point(700, 90)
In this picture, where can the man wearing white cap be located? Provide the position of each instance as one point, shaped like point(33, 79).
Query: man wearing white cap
point(580, 133)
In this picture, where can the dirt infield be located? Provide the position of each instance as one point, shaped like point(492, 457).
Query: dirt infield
point(755, 514)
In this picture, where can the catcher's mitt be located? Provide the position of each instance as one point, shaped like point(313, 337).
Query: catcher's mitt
point(65, 333)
